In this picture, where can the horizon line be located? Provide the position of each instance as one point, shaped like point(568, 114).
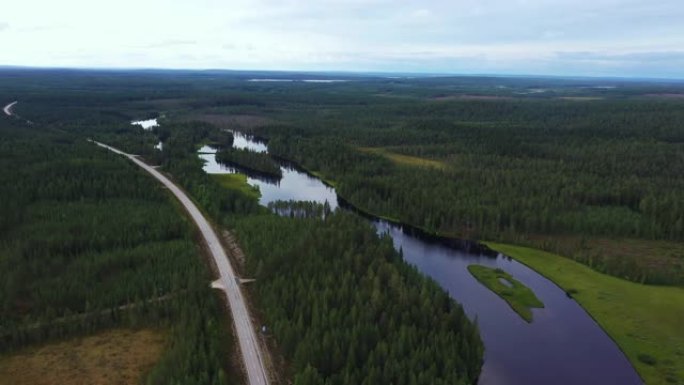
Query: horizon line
point(358, 73)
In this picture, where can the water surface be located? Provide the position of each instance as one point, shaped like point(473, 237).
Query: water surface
point(146, 124)
point(563, 345)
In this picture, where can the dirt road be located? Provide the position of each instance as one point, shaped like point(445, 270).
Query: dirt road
point(247, 339)
point(8, 108)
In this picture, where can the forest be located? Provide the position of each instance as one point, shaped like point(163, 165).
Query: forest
point(592, 173)
point(249, 160)
point(319, 271)
point(345, 308)
point(520, 176)
point(416, 324)
point(90, 243)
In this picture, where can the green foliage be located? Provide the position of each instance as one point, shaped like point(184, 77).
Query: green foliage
point(592, 187)
point(520, 297)
point(647, 359)
point(89, 242)
point(257, 162)
point(535, 164)
point(345, 309)
point(237, 182)
point(642, 319)
point(179, 158)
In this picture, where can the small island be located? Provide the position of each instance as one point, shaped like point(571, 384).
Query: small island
point(518, 296)
point(256, 162)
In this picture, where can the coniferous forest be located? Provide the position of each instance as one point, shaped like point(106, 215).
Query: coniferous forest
point(345, 309)
point(91, 243)
point(88, 242)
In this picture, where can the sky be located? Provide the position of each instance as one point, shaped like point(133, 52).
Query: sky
point(632, 38)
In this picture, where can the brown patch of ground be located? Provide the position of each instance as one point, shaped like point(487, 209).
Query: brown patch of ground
point(119, 356)
point(240, 122)
point(404, 159)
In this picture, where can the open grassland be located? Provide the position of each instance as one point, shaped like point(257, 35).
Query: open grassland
point(237, 182)
point(645, 321)
point(635, 259)
point(118, 356)
point(404, 159)
point(520, 297)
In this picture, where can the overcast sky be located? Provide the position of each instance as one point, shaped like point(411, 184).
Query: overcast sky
point(546, 37)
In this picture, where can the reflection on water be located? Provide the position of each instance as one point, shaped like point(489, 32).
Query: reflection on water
point(562, 346)
point(211, 166)
point(294, 184)
point(244, 141)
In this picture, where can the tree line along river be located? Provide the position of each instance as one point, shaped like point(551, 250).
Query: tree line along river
point(563, 345)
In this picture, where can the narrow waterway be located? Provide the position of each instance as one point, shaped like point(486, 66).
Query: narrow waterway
point(563, 345)
point(146, 124)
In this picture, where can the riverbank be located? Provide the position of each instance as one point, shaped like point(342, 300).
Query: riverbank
point(446, 260)
point(237, 182)
point(418, 231)
point(645, 321)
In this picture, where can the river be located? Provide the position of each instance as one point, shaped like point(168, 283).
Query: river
point(563, 345)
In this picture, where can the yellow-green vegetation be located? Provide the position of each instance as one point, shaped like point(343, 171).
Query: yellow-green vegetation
point(658, 262)
point(320, 176)
point(647, 322)
point(520, 297)
point(118, 356)
point(404, 159)
point(237, 182)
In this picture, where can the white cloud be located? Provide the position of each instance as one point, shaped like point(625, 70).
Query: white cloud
point(512, 36)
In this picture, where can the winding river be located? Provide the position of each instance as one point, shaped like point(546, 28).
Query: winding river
point(562, 346)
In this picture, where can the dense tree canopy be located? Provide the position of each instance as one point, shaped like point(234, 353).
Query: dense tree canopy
point(88, 242)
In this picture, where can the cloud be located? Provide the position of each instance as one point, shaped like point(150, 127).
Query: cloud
point(637, 37)
point(4, 26)
point(640, 57)
point(170, 43)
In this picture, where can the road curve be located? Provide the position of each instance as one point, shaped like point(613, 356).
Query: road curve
point(8, 108)
point(247, 339)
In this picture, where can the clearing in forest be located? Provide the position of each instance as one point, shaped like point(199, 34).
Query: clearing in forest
point(404, 159)
point(119, 356)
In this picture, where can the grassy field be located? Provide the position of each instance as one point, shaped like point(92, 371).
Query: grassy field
point(653, 258)
point(404, 159)
point(647, 322)
point(517, 295)
point(112, 357)
point(237, 182)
